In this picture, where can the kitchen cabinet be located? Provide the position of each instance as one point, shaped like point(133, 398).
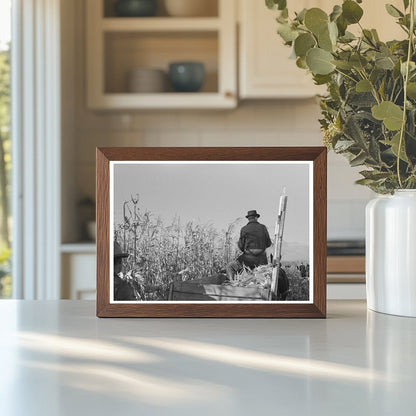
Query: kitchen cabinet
point(78, 263)
point(265, 70)
point(118, 45)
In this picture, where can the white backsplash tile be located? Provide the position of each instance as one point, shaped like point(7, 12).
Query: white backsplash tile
point(259, 123)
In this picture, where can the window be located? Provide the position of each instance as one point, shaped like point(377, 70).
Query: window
point(5, 147)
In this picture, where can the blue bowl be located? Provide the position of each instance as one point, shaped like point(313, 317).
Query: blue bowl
point(135, 8)
point(186, 76)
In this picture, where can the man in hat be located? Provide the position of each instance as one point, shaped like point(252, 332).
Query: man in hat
point(254, 239)
point(123, 290)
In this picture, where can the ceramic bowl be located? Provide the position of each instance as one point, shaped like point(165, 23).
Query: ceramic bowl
point(135, 8)
point(186, 76)
point(147, 80)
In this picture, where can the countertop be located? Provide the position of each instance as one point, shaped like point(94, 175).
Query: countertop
point(57, 358)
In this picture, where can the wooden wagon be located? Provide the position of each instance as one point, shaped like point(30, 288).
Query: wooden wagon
point(195, 291)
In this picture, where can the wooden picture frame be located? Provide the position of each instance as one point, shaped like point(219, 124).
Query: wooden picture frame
point(315, 158)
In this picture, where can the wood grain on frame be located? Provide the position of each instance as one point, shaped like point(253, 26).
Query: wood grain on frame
point(317, 309)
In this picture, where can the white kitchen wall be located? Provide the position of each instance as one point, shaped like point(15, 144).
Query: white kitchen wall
point(253, 123)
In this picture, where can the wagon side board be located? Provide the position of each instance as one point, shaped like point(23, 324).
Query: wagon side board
point(207, 292)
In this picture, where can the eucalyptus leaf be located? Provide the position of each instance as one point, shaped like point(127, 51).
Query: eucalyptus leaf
point(281, 19)
point(287, 33)
point(342, 25)
point(321, 79)
point(333, 32)
point(301, 15)
point(411, 90)
point(345, 65)
point(285, 13)
point(361, 100)
point(375, 35)
point(303, 43)
point(325, 42)
point(336, 12)
point(374, 150)
point(412, 67)
point(351, 11)
point(374, 174)
point(394, 145)
point(365, 182)
point(301, 63)
point(276, 4)
point(316, 20)
point(393, 11)
point(388, 112)
point(354, 132)
point(347, 37)
point(358, 160)
point(384, 62)
point(358, 61)
point(343, 145)
point(320, 61)
point(411, 118)
point(405, 21)
point(363, 86)
point(369, 36)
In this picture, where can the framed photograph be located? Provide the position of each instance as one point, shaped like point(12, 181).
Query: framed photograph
point(211, 232)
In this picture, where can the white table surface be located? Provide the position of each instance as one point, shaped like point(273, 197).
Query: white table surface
point(57, 358)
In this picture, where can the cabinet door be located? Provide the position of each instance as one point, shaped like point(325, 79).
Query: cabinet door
point(265, 68)
point(78, 276)
point(376, 17)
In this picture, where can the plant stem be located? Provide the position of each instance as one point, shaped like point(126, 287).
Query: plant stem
point(373, 88)
point(346, 75)
point(406, 79)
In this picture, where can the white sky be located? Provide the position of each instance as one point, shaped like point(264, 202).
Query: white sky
point(217, 193)
point(5, 20)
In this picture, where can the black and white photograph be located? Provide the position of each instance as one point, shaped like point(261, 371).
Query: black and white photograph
point(211, 231)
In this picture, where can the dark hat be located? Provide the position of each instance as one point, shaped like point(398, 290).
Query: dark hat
point(252, 213)
point(118, 252)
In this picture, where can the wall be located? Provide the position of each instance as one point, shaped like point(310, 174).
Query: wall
point(253, 123)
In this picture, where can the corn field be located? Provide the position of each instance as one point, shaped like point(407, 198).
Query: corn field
point(161, 253)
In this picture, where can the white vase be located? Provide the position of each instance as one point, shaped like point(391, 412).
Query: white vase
point(391, 253)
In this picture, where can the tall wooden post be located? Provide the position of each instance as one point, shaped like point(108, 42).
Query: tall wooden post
point(135, 200)
point(124, 226)
point(278, 240)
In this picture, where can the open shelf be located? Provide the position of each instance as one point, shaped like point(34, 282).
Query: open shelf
point(167, 100)
point(126, 51)
point(210, 9)
point(116, 46)
point(160, 24)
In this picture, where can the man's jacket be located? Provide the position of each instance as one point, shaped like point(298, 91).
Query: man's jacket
point(254, 238)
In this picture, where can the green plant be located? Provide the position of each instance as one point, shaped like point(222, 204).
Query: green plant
point(369, 113)
point(5, 279)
